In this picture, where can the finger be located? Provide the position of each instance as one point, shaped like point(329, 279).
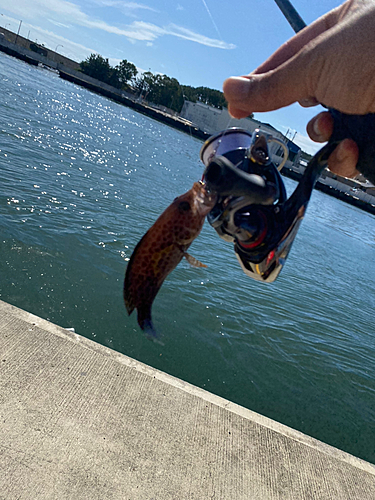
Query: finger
point(344, 159)
point(308, 102)
point(320, 127)
point(300, 40)
point(237, 113)
point(272, 90)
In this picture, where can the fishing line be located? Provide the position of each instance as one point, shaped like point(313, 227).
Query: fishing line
point(222, 40)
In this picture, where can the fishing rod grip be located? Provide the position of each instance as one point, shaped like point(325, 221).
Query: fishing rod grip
point(360, 128)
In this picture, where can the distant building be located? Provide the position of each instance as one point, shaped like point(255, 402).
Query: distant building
point(212, 120)
point(16, 42)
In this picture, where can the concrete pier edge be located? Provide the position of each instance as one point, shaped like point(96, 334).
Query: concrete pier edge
point(191, 389)
point(187, 387)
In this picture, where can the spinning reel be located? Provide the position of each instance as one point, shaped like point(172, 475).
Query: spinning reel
point(252, 208)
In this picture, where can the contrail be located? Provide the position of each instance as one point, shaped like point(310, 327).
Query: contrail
point(212, 19)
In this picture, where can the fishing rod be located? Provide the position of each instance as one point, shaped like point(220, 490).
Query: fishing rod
point(292, 16)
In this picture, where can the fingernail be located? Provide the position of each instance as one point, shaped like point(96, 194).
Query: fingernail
point(316, 128)
point(341, 152)
point(239, 85)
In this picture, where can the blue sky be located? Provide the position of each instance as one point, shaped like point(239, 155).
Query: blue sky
point(199, 42)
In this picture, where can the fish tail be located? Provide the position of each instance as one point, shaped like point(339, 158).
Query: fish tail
point(149, 330)
point(145, 322)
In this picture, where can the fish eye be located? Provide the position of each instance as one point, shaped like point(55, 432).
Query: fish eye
point(184, 206)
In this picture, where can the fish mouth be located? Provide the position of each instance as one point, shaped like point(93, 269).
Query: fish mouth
point(205, 201)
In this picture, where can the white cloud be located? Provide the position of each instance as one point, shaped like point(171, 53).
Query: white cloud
point(187, 34)
point(67, 13)
point(127, 6)
point(61, 25)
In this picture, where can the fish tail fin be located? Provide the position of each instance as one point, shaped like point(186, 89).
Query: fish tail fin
point(148, 328)
point(145, 322)
point(129, 305)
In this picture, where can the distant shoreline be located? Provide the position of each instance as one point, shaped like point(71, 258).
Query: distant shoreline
point(121, 97)
point(176, 122)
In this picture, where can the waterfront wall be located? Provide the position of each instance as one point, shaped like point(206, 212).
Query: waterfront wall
point(18, 43)
point(343, 195)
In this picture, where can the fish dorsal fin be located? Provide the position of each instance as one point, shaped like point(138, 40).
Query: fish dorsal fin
point(193, 261)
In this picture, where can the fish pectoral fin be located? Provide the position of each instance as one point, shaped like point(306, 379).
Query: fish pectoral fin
point(128, 299)
point(129, 307)
point(193, 261)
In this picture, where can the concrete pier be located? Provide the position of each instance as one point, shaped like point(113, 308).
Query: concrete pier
point(79, 421)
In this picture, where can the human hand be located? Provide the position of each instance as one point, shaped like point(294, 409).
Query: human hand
point(308, 69)
point(344, 158)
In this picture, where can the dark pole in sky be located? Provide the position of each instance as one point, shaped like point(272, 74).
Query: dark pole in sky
point(292, 16)
point(18, 32)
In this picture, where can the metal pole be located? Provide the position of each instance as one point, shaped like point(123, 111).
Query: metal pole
point(292, 16)
point(18, 32)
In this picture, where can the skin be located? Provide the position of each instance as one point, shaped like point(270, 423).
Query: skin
point(329, 62)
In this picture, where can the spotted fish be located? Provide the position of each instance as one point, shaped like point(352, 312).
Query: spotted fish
point(162, 248)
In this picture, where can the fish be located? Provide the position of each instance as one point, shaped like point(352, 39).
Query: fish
point(161, 249)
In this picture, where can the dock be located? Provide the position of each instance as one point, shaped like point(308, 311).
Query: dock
point(81, 421)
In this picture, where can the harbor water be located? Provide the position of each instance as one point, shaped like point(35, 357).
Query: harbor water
point(83, 178)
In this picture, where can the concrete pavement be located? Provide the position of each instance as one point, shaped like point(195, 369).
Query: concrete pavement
point(79, 421)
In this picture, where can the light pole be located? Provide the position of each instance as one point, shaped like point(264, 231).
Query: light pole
point(54, 55)
point(18, 32)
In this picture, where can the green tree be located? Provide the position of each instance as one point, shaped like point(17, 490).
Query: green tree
point(189, 93)
point(96, 66)
point(160, 89)
point(127, 71)
point(206, 95)
point(145, 83)
point(167, 92)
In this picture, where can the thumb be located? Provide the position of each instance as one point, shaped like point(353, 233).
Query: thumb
point(269, 91)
